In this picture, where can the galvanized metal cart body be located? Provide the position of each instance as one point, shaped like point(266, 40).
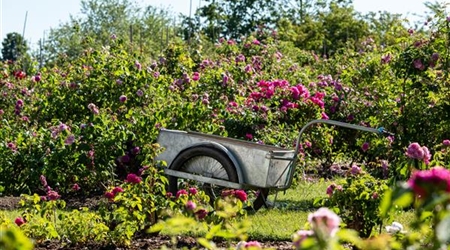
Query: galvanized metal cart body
point(257, 166)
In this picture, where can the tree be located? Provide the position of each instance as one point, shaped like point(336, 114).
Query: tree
point(13, 47)
point(326, 27)
point(235, 18)
point(144, 30)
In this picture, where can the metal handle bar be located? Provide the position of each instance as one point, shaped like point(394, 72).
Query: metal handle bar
point(380, 131)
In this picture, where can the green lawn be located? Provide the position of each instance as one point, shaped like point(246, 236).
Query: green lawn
point(291, 212)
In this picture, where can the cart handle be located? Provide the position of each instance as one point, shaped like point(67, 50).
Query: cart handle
point(290, 173)
point(291, 166)
point(380, 130)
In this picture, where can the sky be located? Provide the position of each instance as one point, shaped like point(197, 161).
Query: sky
point(41, 15)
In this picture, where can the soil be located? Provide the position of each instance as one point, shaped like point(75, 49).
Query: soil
point(140, 241)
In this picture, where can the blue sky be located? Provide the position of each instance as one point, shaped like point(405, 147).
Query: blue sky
point(46, 14)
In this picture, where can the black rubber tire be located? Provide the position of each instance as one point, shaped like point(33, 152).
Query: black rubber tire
point(215, 154)
point(207, 153)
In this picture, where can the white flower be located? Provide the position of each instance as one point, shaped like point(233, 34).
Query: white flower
point(395, 228)
point(240, 245)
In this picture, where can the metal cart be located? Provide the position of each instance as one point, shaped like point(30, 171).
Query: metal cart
point(216, 161)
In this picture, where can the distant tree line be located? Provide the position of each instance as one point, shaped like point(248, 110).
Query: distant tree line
point(322, 26)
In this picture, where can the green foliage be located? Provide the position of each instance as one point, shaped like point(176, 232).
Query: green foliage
point(13, 238)
point(133, 207)
point(189, 210)
point(14, 47)
point(356, 199)
point(145, 30)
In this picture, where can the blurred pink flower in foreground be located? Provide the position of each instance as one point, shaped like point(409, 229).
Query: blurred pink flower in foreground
point(300, 236)
point(324, 222)
point(426, 182)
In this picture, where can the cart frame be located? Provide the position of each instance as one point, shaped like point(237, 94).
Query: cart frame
point(252, 171)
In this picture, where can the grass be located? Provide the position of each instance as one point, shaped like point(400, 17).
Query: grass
point(291, 211)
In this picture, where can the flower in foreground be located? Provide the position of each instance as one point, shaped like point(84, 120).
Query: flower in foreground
point(324, 222)
point(241, 195)
point(426, 182)
point(248, 245)
point(19, 221)
point(394, 228)
point(300, 236)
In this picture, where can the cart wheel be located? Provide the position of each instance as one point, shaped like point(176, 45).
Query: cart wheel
point(204, 161)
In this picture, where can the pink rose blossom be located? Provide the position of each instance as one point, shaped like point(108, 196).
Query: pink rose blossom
point(117, 190)
point(193, 191)
point(355, 170)
point(365, 146)
point(19, 221)
point(418, 64)
point(195, 76)
point(415, 151)
point(138, 65)
point(241, 195)
point(109, 195)
point(252, 244)
point(330, 189)
point(122, 98)
point(69, 140)
point(75, 187)
point(52, 195)
point(324, 221)
point(43, 180)
point(201, 214)
point(300, 236)
point(426, 182)
point(190, 205)
point(181, 192)
point(133, 178)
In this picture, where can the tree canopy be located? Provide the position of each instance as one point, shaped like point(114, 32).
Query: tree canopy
point(13, 47)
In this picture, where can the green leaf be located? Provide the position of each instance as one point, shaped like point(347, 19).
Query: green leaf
point(386, 203)
point(350, 236)
point(205, 243)
point(158, 227)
